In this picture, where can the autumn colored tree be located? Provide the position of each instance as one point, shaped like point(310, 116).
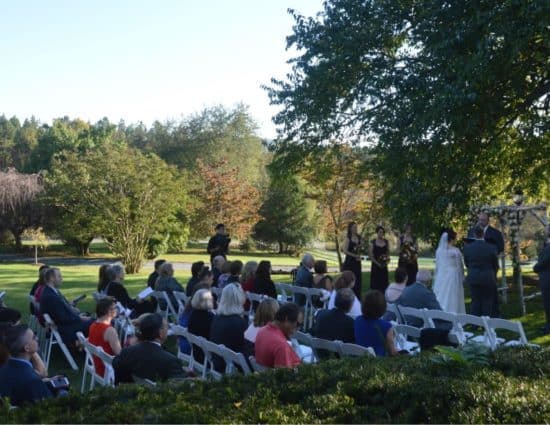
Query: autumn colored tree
point(221, 197)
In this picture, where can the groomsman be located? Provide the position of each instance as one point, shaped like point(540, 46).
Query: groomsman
point(543, 269)
point(481, 260)
point(494, 237)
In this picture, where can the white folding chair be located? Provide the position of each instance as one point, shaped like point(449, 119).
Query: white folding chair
point(164, 305)
point(256, 367)
point(55, 339)
point(2, 295)
point(307, 306)
point(108, 378)
point(403, 334)
point(319, 344)
point(464, 319)
point(511, 326)
point(314, 292)
point(234, 361)
point(301, 344)
point(181, 332)
point(354, 350)
point(197, 342)
point(182, 300)
point(210, 350)
point(407, 312)
point(285, 290)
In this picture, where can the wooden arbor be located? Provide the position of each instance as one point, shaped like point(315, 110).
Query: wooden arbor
point(511, 217)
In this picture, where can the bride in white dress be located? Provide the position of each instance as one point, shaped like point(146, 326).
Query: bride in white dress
point(449, 275)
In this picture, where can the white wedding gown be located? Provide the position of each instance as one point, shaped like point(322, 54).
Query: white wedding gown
point(449, 277)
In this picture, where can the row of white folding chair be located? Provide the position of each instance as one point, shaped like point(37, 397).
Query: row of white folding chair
point(39, 330)
point(310, 310)
point(316, 344)
point(233, 361)
point(54, 338)
point(489, 325)
point(108, 378)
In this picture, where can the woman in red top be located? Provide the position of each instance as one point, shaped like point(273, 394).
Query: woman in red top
point(102, 334)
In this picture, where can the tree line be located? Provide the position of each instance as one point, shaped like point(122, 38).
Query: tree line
point(147, 190)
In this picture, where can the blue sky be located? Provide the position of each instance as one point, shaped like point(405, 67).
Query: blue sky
point(142, 60)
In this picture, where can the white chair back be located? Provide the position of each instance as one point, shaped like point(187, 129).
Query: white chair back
point(235, 361)
point(197, 342)
point(319, 344)
point(407, 312)
point(182, 300)
point(256, 367)
point(403, 336)
point(508, 325)
point(464, 319)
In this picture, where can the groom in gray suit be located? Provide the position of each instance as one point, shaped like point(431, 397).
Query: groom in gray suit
point(481, 259)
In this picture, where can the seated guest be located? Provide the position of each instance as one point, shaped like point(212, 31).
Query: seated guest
point(200, 320)
point(64, 315)
point(147, 359)
point(272, 348)
point(116, 289)
point(183, 320)
point(38, 286)
point(167, 283)
point(103, 280)
point(152, 279)
point(265, 313)
point(304, 277)
point(217, 265)
point(224, 275)
point(196, 268)
point(247, 279)
point(18, 379)
point(10, 317)
point(418, 295)
point(228, 325)
point(320, 269)
point(235, 271)
point(394, 290)
point(370, 329)
point(262, 281)
point(102, 334)
point(336, 324)
point(345, 280)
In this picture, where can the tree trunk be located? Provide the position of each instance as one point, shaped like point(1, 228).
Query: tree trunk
point(281, 250)
point(18, 242)
point(338, 253)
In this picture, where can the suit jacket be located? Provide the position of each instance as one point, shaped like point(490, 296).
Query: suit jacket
point(334, 325)
point(146, 360)
point(21, 383)
point(543, 267)
point(481, 260)
point(492, 236)
point(418, 295)
point(57, 307)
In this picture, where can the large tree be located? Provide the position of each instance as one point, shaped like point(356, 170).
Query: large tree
point(120, 193)
point(287, 215)
point(451, 96)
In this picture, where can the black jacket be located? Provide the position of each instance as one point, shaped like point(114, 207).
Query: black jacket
point(481, 260)
point(334, 325)
point(146, 360)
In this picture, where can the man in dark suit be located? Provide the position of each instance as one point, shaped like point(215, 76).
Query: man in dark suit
point(543, 269)
point(481, 259)
point(67, 318)
point(18, 379)
point(218, 244)
point(494, 237)
point(147, 359)
point(418, 295)
point(152, 279)
point(335, 324)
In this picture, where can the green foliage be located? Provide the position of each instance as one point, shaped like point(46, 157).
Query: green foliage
point(287, 215)
point(452, 99)
point(469, 354)
point(366, 390)
point(119, 193)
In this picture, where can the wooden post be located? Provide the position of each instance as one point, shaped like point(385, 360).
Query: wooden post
point(35, 254)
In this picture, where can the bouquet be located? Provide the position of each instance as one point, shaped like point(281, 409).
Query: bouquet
point(383, 260)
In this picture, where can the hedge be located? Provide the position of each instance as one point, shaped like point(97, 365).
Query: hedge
point(513, 388)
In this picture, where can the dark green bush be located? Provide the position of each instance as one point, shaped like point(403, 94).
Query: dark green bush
point(511, 389)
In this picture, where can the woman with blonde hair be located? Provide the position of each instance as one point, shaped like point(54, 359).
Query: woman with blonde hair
point(201, 318)
point(228, 325)
point(265, 313)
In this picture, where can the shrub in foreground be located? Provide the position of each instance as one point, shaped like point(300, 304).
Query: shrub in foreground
point(511, 389)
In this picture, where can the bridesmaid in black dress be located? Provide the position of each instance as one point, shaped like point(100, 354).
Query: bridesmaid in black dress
point(352, 262)
point(408, 254)
point(380, 257)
